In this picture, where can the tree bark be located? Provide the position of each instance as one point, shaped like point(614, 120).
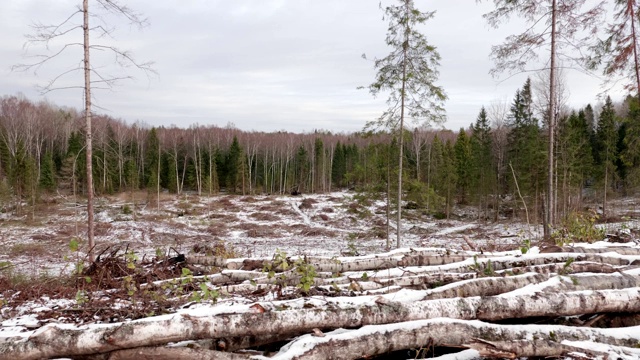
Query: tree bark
point(88, 136)
point(504, 340)
point(550, 216)
point(260, 319)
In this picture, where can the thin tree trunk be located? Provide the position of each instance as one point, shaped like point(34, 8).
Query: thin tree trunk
point(604, 195)
point(549, 218)
point(388, 202)
point(632, 16)
point(405, 46)
point(88, 135)
point(158, 178)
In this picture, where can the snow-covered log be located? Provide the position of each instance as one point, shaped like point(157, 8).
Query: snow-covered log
point(259, 319)
point(375, 340)
point(165, 353)
point(400, 257)
point(622, 250)
point(488, 265)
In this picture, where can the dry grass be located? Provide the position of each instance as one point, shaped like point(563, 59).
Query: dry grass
point(287, 212)
point(271, 207)
point(257, 231)
point(102, 228)
point(29, 249)
point(155, 216)
point(317, 232)
point(216, 248)
point(307, 203)
point(228, 218)
point(323, 217)
point(218, 228)
point(224, 203)
point(43, 237)
point(264, 216)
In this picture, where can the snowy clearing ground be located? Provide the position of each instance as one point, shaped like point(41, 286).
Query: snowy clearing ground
point(165, 268)
point(322, 224)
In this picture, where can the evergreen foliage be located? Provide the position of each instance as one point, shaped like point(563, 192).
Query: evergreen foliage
point(443, 170)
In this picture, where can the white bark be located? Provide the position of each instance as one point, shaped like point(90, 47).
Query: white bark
point(377, 339)
point(259, 319)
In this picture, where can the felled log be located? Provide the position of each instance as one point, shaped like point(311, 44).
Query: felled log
point(61, 340)
point(165, 353)
point(510, 341)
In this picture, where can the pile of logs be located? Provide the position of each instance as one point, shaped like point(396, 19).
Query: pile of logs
point(575, 302)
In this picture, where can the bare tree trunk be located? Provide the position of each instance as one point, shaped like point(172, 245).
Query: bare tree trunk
point(550, 216)
point(604, 192)
point(634, 39)
point(184, 171)
point(88, 135)
point(401, 129)
point(388, 207)
point(524, 203)
point(158, 178)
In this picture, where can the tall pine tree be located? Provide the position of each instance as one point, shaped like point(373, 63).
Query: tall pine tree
point(607, 139)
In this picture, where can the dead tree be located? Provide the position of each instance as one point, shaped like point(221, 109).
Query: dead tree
point(46, 34)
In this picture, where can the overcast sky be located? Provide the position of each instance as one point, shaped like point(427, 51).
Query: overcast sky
point(266, 65)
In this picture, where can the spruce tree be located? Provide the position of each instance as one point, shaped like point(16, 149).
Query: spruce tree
point(234, 166)
point(483, 174)
point(339, 165)
point(47, 173)
point(319, 166)
point(607, 138)
point(449, 176)
point(408, 74)
point(526, 147)
point(151, 160)
point(463, 164)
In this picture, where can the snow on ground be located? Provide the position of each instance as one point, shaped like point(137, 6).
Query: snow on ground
point(333, 224)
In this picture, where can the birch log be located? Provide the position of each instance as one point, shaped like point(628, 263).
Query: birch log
point(375, 340)
point(60, 340)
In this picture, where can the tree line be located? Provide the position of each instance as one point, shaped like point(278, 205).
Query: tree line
point(497, 164)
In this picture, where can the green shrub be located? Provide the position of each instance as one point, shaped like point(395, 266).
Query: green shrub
point(579, 227)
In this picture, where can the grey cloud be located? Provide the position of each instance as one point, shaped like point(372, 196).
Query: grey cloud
point(271, 64)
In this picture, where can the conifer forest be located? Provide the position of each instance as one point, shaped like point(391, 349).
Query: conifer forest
point(496, 164)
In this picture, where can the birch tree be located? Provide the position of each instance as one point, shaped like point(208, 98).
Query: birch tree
point(562, 27)
point(408, 74)
point(50, 35)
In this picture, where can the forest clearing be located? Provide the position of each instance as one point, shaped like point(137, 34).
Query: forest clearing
point(516, 236)
point(299, 277)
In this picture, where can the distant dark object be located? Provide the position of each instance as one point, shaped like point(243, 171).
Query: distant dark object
point(296, 193)
point(439, 215)
point(177, 259)
point(412, 205)
point(180, 213)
